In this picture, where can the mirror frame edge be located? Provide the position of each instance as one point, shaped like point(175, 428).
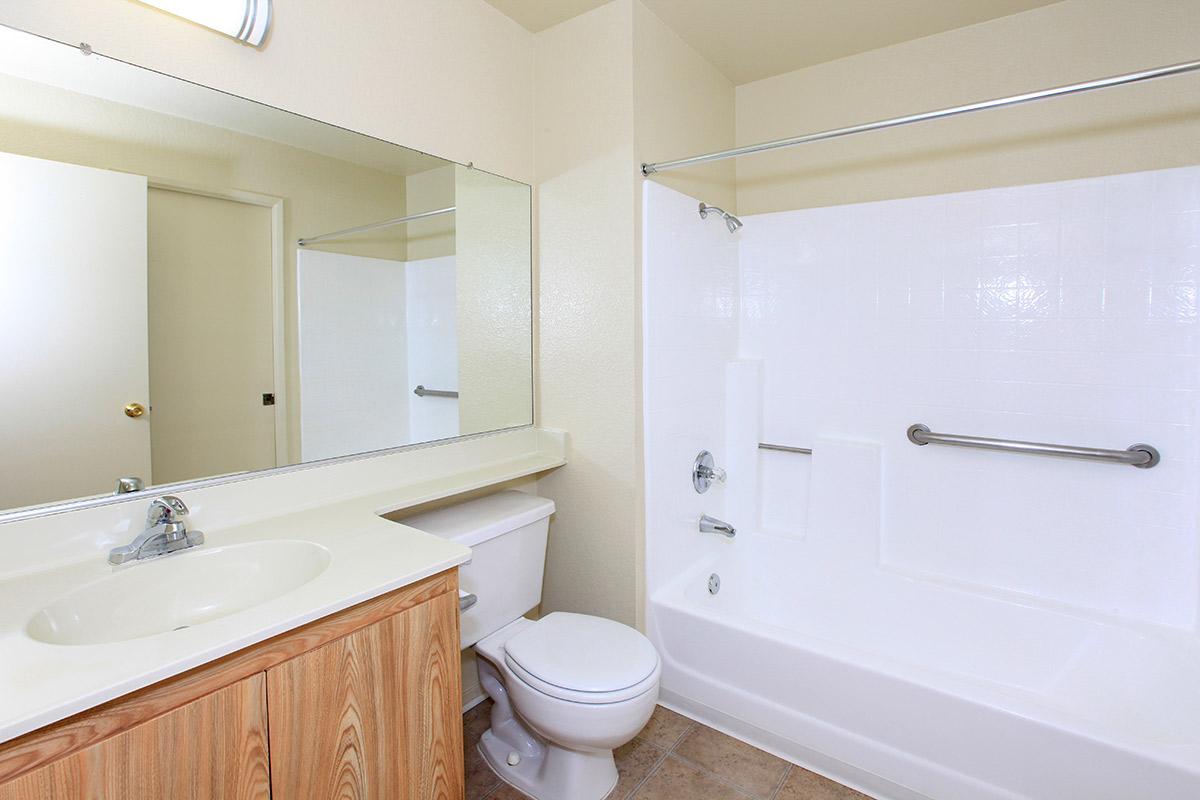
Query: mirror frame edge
point(157, 490)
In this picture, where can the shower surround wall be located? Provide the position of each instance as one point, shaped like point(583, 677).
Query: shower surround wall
point(1060, 312)
point(1049, 604)
point(370, 330)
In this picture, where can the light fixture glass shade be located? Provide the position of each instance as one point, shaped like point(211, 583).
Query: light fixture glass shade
point(245, 20)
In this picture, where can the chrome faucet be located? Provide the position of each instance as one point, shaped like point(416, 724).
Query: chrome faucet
point(713, 525)
point(166, 532)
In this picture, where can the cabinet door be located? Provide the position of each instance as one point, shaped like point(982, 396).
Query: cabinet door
point(214, 748)
point(375, 714)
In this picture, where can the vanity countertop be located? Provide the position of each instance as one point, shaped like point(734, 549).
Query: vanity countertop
point(41, 683)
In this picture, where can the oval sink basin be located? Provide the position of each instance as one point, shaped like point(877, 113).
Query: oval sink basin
point(177, 591)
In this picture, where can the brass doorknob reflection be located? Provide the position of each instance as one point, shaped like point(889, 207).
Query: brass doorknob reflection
point(135, 410)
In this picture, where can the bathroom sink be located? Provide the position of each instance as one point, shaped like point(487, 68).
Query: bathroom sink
point(178, 591)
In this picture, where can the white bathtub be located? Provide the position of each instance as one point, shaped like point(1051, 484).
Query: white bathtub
point(907, 688)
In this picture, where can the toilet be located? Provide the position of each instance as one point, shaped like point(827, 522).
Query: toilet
point(567, 688)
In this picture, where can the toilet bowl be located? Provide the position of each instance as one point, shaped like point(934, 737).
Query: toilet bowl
point(567, 690)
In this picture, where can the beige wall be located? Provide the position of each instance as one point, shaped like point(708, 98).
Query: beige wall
point(493, 289)
point(449, 77)
point(1148, 126)
point(587, 294)
point(683, 106)
point(614, 87)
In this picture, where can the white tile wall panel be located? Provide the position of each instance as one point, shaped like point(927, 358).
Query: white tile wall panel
point(1063, 312)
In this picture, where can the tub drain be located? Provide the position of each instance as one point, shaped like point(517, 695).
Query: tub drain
point(714, 583)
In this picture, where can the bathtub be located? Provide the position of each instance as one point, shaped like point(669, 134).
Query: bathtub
point(908, 688)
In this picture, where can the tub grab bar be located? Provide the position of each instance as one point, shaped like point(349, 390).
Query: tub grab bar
point(1142, 456)
point(421, 391)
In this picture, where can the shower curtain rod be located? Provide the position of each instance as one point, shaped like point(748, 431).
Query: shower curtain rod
point(1043, 94)
point(387, 223)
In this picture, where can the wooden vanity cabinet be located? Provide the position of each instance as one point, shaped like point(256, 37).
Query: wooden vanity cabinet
point(363, 704)
point(377, 713)
point(212, 747)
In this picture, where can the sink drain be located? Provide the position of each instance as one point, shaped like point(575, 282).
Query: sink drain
point(714, 583)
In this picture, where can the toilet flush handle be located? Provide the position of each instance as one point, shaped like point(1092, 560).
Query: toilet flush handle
point(466, 600)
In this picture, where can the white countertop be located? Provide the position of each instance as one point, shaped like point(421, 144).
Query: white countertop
point(42, 683)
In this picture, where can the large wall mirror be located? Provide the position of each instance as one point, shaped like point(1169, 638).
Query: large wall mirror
point(196, 285)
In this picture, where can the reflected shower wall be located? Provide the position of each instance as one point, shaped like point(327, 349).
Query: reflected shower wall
point(371, 329)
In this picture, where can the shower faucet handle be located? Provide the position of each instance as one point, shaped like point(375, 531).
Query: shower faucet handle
point(704, 472)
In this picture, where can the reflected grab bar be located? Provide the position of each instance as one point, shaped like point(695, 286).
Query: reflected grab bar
point(1142, 456)
point(783, 448)
point(421, 391)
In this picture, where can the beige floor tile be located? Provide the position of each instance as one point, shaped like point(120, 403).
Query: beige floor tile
point(506, 792)
point(677, 780)
point(634, 762)
point(475, 722)
point(665, 728)
point(479, 776)
point(743, 765)
point(805, 785)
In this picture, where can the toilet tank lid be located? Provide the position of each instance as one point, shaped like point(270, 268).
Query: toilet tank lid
point(476, 521)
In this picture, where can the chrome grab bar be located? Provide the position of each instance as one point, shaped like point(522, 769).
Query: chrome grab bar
point(1142, 456)
point(783, 448)
point(421, 391)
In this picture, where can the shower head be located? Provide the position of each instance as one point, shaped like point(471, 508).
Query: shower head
point(731, 222)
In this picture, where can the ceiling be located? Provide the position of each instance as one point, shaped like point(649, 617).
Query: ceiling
point(752, 39)
point(537, 15)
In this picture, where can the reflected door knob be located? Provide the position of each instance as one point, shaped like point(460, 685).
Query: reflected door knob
point(135, 410)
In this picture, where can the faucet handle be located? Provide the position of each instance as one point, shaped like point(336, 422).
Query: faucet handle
point(705, 471)
point(165, 509)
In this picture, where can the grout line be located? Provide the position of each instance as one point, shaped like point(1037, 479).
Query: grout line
point(650, 772)
point(782, 781)
point(718, 777)
point(683, 735)
point(499, 782)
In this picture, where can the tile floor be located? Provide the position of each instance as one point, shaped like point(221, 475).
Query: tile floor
point(673, 758)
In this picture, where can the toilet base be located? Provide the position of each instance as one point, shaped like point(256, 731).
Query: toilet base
point(548, 747)
point(551, 772)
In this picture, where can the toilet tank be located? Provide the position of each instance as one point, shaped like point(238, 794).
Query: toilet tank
point(507, 534)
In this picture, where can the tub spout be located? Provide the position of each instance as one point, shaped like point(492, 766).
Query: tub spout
point(713, 525)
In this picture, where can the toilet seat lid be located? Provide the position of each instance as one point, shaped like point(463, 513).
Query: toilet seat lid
point(582, 653)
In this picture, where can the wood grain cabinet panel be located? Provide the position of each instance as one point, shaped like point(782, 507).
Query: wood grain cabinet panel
point(213, 748)
point(374, 715)
point(362, 704)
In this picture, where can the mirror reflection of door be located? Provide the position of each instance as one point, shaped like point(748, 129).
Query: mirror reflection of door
point(211, 361)
point(73, 331)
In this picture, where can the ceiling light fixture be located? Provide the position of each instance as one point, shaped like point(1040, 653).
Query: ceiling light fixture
point(245, 20)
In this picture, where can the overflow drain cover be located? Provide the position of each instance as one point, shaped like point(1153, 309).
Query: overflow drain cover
point(714, 583)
